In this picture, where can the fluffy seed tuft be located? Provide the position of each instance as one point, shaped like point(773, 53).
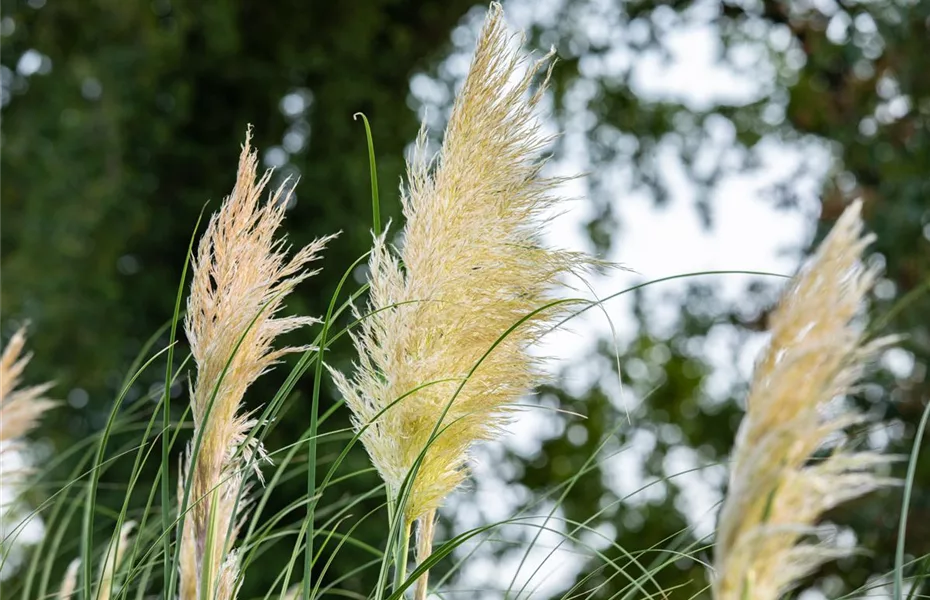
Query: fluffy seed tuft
point(787, 467)
point(240, 278)
point(472, 265)
point(20, 408)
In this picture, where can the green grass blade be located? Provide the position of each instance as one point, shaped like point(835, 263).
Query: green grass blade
point(87, 537)
point(375, 202)
point(905, 505)
point(170, 572)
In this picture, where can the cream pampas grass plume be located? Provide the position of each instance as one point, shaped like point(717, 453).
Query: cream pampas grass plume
point(788, 465)
point(471, 266)
point(241, 277)
point(20, 407)
point(69, 581)
point(109, 567)
point(112, 560)
point(20, 410)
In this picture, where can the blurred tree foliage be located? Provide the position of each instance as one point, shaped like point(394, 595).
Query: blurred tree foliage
point(121, 119)
point(848, 74)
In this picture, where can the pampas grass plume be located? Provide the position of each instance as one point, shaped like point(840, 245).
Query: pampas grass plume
point(113, 559)
point(110, 565)
point(20, 411)
point(444, 350)
point(69, 581)
point(240, 278)
point(471, 266)
point(20, 407)
point(778, 490)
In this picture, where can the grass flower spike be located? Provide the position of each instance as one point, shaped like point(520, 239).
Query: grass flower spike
point(241, 276)
point(109, 567)
point(69, 581)
point(113, 558)
point(787, 468)
point(20, 408)
point(471, 266)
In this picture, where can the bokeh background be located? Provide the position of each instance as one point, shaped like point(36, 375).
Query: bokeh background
point(715, 135)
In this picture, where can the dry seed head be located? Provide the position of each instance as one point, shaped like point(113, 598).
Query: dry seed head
point(69, 581)
point(110, 565)
point(474, 265)
point(20, 408)
point(240, 278)
point(113, 559)
point(795, 409)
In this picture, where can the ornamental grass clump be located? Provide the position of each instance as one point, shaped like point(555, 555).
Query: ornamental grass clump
point(240, 277)
point(445, 350)
point(790, 464)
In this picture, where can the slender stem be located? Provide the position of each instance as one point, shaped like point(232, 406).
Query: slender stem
point(206, 567)
point(426, 529)
point(905, 504)
point(400, 558)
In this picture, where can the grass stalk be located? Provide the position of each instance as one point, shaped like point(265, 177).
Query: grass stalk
point(170, 571)
point(426, 529)
point(898, 589)
point(402, 550)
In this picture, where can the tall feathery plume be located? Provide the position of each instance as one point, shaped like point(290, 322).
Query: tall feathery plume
point(472, 265)
point(789, 466)
point(20, 408)
point(241, 276)
point(112, 560)
point(69, 581)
